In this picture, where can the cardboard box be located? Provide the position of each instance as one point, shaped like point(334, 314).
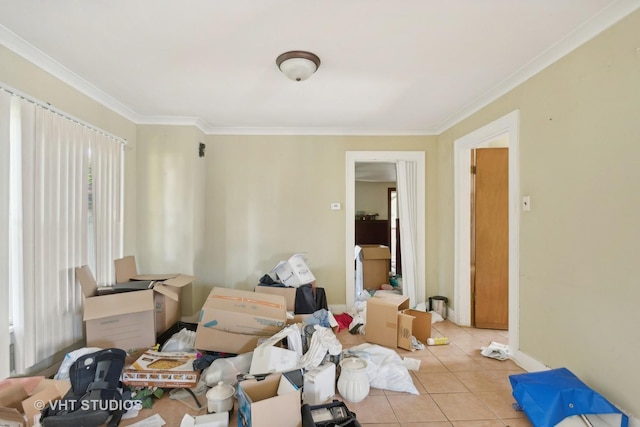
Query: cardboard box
point(123, 320)
point(20, 399)
point(162, 369)
point(294, 271)
point(288, 292)
point(268, 402)
point(233, 321)
point(167, 288)
point(419, 327)
point(391, 323)
point(373, 265)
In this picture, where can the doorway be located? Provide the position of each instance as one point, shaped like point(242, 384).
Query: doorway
point(416, 158)
point(505, 127)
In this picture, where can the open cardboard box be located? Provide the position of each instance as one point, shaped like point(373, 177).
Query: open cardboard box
point(271, 401)
point(373, 264)
point(122, 320)
point(21, 398)
point(294, 271)
point(167, 288)
point(233, 321)
point(391, 323)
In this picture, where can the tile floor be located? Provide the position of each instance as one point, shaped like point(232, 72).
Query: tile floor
point(458, 386)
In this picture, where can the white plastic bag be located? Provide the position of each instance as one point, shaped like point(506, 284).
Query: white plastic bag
point(495, 350)
point(385, 368)
point(227, 369)
point(182, 340)
point(323, 341)
point(70, 358)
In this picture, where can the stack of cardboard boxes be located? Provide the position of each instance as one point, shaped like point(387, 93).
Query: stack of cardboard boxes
point(130, 320)
point(230, 321)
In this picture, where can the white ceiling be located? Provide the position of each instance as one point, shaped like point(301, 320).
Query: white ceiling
point(388, 66)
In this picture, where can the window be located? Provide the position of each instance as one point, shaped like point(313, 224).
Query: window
point(63, 189)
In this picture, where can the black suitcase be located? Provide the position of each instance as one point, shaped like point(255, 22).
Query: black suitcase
point(334, 414)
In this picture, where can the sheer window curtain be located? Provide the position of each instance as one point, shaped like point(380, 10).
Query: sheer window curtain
point(49, 225)
point(407, 200)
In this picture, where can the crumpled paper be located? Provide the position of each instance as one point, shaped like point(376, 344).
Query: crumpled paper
point(495, 350)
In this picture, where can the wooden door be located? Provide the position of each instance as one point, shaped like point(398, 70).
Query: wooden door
point(490, 238)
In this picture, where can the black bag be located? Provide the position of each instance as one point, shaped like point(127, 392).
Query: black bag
point(94, 397)
point(334, 414)
point(305, 302)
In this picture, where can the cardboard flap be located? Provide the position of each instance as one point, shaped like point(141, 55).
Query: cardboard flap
point(48, 391)
point(125, 268)
point(87, 281)
point(12, 396)
point(168, 291)
point(405, 323)
point(154, 277)
point(179, 281)
point(118, 304)
point(11, 417)
point(28, 383)
point(375, 252)
point(421, 328)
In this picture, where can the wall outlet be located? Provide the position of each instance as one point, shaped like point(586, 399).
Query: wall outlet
point(335, 206)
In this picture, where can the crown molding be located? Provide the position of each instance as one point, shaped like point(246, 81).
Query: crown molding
point(37, 57)
point(605, 19)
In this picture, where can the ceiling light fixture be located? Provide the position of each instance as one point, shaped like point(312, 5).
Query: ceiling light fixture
point(298, 65)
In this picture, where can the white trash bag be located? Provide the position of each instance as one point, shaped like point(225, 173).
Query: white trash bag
point(495, 350)
point(385, 368)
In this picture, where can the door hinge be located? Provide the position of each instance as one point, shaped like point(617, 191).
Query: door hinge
point(473, 170)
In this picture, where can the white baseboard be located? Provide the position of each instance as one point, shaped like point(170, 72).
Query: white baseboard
point(527, 362)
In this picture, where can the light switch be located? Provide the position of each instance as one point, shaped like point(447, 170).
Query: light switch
point(526, 204)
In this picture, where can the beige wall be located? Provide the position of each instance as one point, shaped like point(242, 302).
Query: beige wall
point(579, 244)
point(372, 198)
point(269, 197)
point(170, 180)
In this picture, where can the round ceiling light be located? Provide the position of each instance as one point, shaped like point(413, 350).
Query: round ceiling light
point(298, 65)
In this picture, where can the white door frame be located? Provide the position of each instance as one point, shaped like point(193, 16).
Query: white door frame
point(353, 157)
point(507, 125)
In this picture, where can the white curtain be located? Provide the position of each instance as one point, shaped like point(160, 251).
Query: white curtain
point(50, 183)
point(5, 105)
point(407, 200)
point(105, 214)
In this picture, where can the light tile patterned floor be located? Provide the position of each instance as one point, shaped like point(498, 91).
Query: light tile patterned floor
point(458, 386)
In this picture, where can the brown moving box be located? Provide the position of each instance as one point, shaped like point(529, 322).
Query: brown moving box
point(233, 321)
point(288, 292)
point(123, 320)
point(391, 323)
point(167, 288)
point(268, 402)
point(376, 265)
point(22, 399)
